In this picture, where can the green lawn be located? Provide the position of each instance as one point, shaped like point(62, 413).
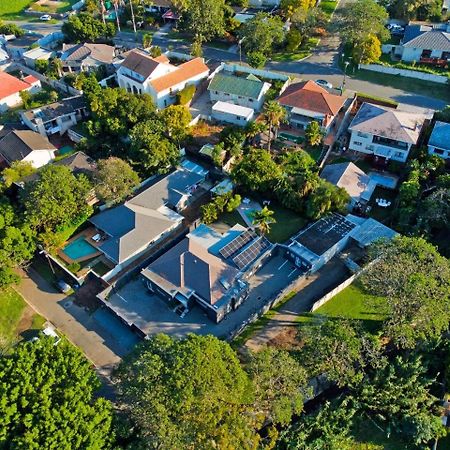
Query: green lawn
point(354, 303)
point(10, 8)
point(302, 52)
point(288, 223)
point(61, 7)
point(12, 306)
point(383, 215)
point(314, 152)
point(328, 7)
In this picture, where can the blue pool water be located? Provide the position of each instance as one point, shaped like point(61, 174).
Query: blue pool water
point(79, 248)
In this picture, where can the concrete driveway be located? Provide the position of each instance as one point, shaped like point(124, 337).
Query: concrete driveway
point(98, 342)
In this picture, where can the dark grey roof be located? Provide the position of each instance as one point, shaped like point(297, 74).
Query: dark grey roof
point(412, 31)
point(77, 163)
point(18, 144)
point(100, 52)
point(56, 109)
point(135, 224)
point(440, 136)
point(431, 40)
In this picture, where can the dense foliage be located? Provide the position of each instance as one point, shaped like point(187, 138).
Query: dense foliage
point(85, 27)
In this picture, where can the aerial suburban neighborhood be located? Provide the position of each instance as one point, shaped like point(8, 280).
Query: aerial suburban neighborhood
point(225, 224)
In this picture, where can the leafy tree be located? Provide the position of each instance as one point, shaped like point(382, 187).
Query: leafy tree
point(274, 115)
point(190, 393)
point(205, 19)
point(17, 171)
point(47, 394)
point(210, 213)
point(233, 140)
point(155, 51)
point(325, 198)
point(398, 397)
point(56, 198)
point(218, 154)
point(196, 48)
point(363, 18)
point(262, 33)
point(115, 180)
point(11, 28)
point(308, 20)
point(262, 219)
point(280, 384)
point(257, 171)
point(367, 51)
point(313, 133)
point(84, 27)
point(176, 119)
point(256, 59)
point(151, 152)
point(253, 128)
point(328, 428)
point(415, 279)
point(186, 94)
point(293, 40)
point(25, 96)
point(333, 347)
point(147, 40)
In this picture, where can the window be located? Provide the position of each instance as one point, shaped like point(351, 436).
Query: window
point(250, 100)
point(399, 155)
point(363, 135)
point(238, 118)
point(357, 143)
point(438, 151)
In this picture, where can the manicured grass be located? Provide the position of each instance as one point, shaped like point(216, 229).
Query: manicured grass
point(302, 52)
point(314, 152)
point(328, 7)
point(288, 223)
point(354, 303)
point(60, 7)
point(12, 306)
point(12, 7)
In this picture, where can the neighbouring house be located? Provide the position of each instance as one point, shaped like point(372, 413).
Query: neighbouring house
point(350, 177)
point(209, 270)
point(230, 113)
point(423, 43)
point(159, 6)
point(3, 55)
point(314, 246)
point(132, 228)
point(140, 73)
point(37, 54)
point(26, 145)
point(306, 102)
point(439, 142)
point(87, 57)
point(56, 117)
point(264, 3)
point(385, 132)
point(247, 91)
point(11, 87)
point(16, 47)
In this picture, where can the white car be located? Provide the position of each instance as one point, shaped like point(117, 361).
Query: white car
point(324, 83)
point(50, 332)
point(45, 17)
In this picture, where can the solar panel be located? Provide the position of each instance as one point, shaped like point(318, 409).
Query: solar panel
point(237, 243)
point(251, 252)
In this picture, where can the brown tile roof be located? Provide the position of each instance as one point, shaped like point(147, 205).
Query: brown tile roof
point(10, 85)
point(141, 63)
point(101, 52)
point(184, 72)
point(308, 95)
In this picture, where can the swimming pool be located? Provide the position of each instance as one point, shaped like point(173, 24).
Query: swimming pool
point(387, 181)
point(79, 248)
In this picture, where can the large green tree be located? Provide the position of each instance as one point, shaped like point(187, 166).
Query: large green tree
point(189, 393)
point(47, 399)
point(150, 151)
point(262, 33)
point(56, 198)
point(415, 279)
point(176, 119)
point(115, 180)
point(274, 115)
point(85, 27)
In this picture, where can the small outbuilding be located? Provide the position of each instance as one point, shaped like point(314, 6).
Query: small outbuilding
point(230, 113)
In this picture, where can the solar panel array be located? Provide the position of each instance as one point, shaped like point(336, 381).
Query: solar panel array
point(251, 252)
point(237, 243)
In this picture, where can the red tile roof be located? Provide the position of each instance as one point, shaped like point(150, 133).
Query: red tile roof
point(30, 79)
point(308, 95)
point(184, 72)
point(10, 85)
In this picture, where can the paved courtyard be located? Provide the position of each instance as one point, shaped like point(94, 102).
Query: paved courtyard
point(135, 302)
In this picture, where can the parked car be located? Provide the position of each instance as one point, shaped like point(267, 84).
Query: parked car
point(324, 83)
point(50, 332)
point(63, 286)
point(45, 17)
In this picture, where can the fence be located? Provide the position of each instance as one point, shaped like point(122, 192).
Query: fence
point(334, 292)
point(405, 73)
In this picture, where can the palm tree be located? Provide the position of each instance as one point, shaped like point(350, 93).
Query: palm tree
point(263, 219)
point(274, 114)
point(313, 133)
point(253, 128)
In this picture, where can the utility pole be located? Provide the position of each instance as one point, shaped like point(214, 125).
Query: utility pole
point(132, 17)
point(240, 49)
point(103, 9)
point(346, 63)
point(116, 9)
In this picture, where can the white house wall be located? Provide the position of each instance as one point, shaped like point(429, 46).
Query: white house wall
point(10, 102)
point(39, 158)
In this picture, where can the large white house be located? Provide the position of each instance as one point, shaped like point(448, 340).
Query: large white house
point(385, 132)
point(140, 73)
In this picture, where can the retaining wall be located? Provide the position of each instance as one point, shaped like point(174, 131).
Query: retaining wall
point(405, 73)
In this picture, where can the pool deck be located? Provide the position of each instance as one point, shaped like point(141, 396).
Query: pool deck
point(87, 235)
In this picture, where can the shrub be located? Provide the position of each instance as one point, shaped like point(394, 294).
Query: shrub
point(256, 59)
point(185, 95)
point(74, 267)
point(293, 40)
point(155, 51)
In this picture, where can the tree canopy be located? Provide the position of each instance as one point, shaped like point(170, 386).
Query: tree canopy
point(47, 394)
point(85, 27)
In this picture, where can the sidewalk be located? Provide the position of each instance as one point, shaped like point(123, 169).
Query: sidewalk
point(74, 322)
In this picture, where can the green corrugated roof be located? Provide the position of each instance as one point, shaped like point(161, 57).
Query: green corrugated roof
point(231, 84)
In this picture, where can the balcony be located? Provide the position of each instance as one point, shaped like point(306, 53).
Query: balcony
point(391, 143)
